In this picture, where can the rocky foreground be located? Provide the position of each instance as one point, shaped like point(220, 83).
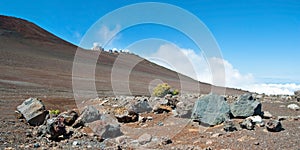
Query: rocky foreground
point(189, 121)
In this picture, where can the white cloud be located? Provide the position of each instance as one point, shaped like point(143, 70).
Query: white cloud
point(106, 34)
point(194, 65)
point(287, 88)
point(77, 35)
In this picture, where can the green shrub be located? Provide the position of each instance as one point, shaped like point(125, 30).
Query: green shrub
point(54, 112)
point(161, 90)
point(175, 92)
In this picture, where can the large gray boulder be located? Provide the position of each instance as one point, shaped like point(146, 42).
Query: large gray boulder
point(107, 127)
point(211, 109)
point(139, 106)
point(89, 114)
point(245, 106)
point(33, 110)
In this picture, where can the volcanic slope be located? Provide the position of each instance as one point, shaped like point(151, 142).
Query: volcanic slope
point(34, 62)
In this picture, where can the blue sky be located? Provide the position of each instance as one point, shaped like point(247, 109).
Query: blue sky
point(261, 38)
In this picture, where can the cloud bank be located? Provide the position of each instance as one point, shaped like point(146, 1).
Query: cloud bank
point(196, 66)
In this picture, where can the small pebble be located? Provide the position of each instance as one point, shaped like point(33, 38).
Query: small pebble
point(75, 143)
point(36, 145)
point(160, 123)
point(149, 118)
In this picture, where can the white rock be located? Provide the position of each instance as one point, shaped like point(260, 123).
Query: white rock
point(267, 114)
point(256, 119)
point(75, 143)
point(293, 107)
point(149, 118)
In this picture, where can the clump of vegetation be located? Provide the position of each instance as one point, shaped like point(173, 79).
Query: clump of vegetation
point(54, 112)
point(175, 92)
point(163, 89)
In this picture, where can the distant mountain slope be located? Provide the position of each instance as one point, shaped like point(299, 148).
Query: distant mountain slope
point(35, 62)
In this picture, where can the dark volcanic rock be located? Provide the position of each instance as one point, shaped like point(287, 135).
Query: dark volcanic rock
point(274, 126)
point(56, 127)
point(211, 109)
point(89, 114)
point(245, 106)
point(33, 110)
point(247, 124)
point(69, 117)
point(161, 109)
point(127, 116)
point(297, 93)
point(229, 126)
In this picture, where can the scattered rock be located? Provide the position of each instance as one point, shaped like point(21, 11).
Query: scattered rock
point(247, 124)
point(56, 127)
point(161, 109)
point(296, 117)
point(70, 117)
point(267, 115)
point(256, 119)
point(89, 114)
point(75, 143)
point(144, 139)
point(149, 118)
point(28, 133)
point(166, 140)
point(139, 106)
point(184, 108)
point(281, 118)
point(229, 126)
point(245, 106)
point(211, 109)
point(297, 93)
point(36, 145)
point(127, 116)
point(42, 130)
point(160, 123)
point(208, 142)
point(282, 106)
point(33, 111)
point(293, 107)
point(219, 134)
point(107, 127)
point(274, 126)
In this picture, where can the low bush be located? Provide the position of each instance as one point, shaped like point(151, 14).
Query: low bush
point(54, 112)
point(161, 90)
